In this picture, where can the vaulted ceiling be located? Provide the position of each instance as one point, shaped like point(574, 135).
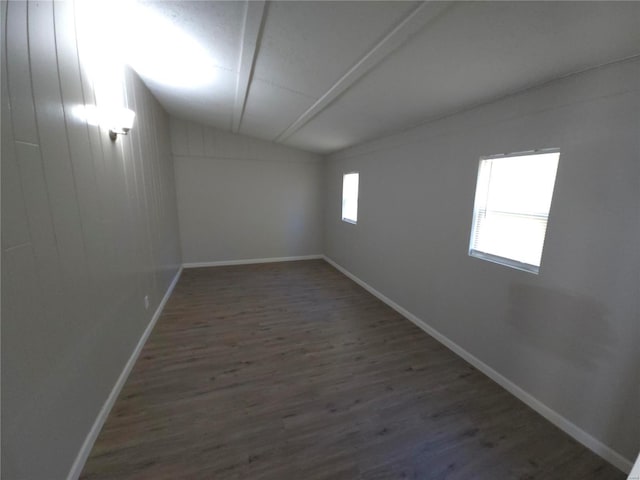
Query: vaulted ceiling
point(322, 76)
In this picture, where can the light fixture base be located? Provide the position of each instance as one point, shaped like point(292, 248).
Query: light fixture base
point(113, 133)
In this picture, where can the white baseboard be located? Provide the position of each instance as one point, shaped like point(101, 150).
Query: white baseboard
point(85, 450)
point(248, 261)
point(635, 472)
point(554, 417)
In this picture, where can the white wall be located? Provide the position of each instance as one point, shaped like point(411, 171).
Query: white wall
point(242, 198)
point(89, 227)
point(569, 336)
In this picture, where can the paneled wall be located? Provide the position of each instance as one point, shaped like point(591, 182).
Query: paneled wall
point(241, 198)
point(568, 336)
point(89, 228)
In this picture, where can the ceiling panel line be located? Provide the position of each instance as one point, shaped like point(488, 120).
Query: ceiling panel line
point(251, 31)
point(406, 29)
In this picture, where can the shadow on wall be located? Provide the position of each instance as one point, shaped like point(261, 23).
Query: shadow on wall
point(564, 324)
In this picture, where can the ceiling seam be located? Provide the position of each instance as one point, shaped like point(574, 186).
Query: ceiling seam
point(251, 34)
point(281, 87)
point(401, 33)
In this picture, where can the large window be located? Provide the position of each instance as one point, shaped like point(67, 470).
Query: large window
point(350, 197)
point(513, 198)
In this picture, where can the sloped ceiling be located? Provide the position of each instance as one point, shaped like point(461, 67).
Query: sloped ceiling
point(323, 76)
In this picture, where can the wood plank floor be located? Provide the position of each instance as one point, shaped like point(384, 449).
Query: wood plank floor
point(292, 371)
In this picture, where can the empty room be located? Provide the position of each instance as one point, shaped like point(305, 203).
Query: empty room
point(320, 240)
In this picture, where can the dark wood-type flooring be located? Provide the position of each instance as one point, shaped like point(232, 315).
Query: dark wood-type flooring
point(290, 371)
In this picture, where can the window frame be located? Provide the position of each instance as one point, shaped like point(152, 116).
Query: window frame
point(346, 219)
point(505, 261)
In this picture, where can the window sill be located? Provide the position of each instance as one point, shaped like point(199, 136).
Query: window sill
point(507, 262)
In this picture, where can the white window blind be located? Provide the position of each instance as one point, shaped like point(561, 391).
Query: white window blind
point(513, 199)
point(350, 197)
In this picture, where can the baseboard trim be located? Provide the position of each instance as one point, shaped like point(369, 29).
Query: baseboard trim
point(635, 471)
point(85, 450)
point(554, 417)
point(248, 261)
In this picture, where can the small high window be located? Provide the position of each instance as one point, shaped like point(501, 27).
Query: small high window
point(350, 197)
point(513, 198)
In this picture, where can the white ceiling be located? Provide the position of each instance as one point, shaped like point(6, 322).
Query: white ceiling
point(322, 76)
